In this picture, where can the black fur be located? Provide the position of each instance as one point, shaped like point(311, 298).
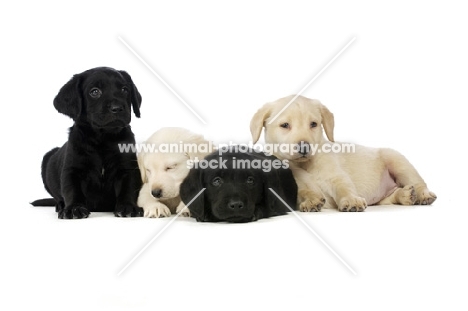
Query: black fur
point(89, 173)
point(242, 195)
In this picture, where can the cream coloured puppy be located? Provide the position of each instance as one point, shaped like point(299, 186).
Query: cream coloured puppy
point(347, 180)
point(164, 165)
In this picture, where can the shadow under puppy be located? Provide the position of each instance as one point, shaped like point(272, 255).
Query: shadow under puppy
point(89, 172)
point(234, 186)
point(164, 168)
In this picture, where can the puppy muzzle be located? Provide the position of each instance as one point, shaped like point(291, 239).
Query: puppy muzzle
point(235, 210)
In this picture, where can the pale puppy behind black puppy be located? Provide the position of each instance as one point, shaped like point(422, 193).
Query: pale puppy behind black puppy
point(163, 170)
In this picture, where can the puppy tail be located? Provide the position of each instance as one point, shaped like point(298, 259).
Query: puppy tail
point(44, 202)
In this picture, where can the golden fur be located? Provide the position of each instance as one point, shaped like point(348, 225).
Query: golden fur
point(347, 181)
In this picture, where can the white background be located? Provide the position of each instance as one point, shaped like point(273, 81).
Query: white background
point(401, 84)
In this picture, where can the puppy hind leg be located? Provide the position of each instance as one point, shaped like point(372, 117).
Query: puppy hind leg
point(424, 196)
point(405, 174)
point(402, 196)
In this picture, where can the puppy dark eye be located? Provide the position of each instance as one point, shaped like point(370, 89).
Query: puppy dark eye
point(285, 125)
point(171, 167)
point(125, 90)
point(95, 92)
point(250, 180)
point(313, 124)
point(217, 181)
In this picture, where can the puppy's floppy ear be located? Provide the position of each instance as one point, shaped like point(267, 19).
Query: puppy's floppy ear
point(258, 121)
point(135, 95)
point(328, 122)
point(69, 99)
point(204, 147)
point(190, 187)
point(282, 182)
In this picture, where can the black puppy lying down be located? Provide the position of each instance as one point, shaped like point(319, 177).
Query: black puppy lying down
point(89, 173)
point(237, 187)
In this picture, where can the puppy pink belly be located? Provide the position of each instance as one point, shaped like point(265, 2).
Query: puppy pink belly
point(386, 187)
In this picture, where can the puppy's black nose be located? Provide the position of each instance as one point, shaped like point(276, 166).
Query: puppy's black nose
point(157, 193)
point(116, 108)
point(235, 204)
point(303, 147)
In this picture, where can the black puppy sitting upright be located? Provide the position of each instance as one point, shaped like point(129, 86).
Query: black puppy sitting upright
point(89, 173)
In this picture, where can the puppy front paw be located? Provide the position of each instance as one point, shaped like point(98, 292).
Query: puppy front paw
point(74, 211)
point(310, 201)
point(128, 210)
point(352, 204)
point(156, 210)
point(183, 210)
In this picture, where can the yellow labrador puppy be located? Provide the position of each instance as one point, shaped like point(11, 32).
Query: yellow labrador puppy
point(348, 180)
point(163, 163)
